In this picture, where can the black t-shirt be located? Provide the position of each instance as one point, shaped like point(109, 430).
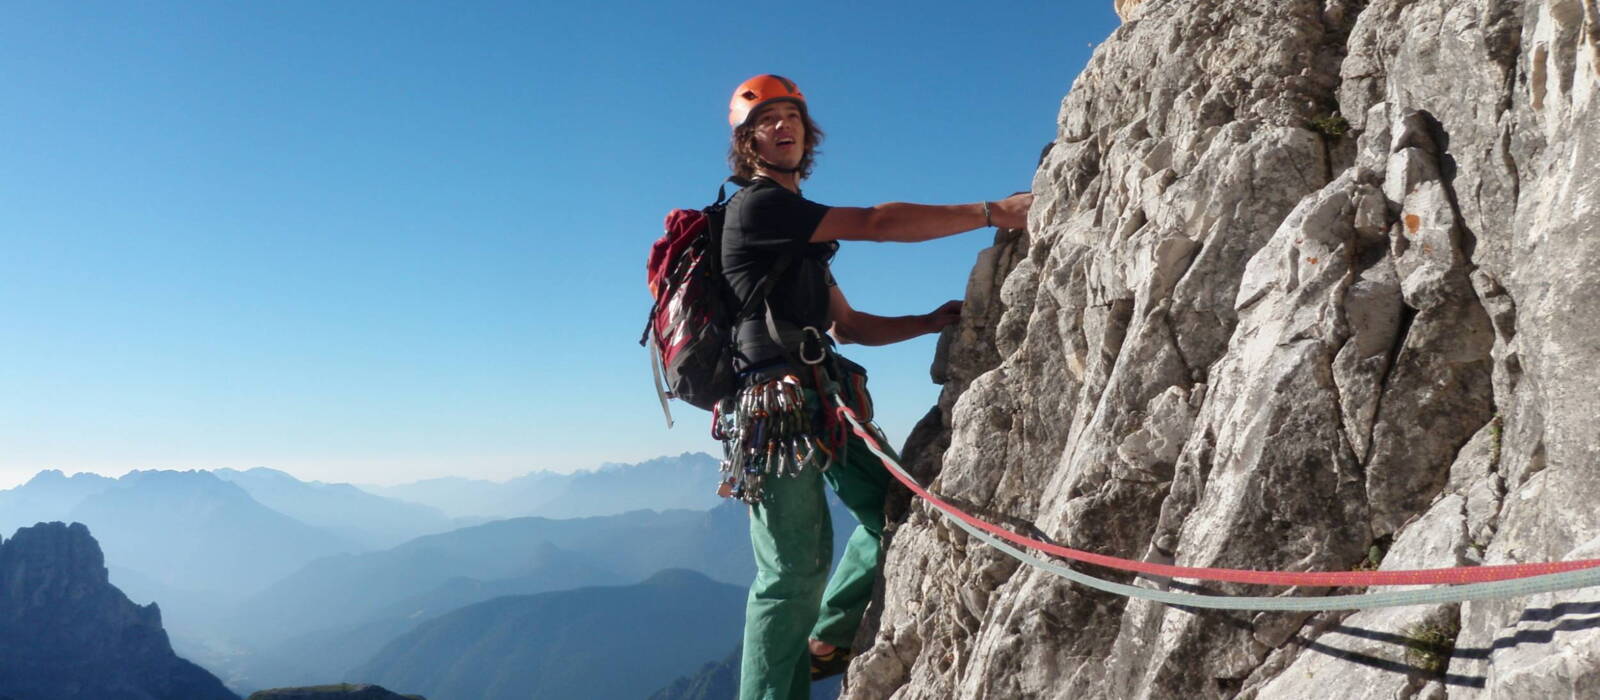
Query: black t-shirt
point(763, 223)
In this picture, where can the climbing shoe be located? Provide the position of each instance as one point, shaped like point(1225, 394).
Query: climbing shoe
point(832, 663)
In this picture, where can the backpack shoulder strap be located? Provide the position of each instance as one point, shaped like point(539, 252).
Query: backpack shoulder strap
point(722, 190)
point(764, 288)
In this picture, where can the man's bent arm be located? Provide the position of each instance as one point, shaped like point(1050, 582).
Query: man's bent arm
point(851, 326)
point(869, 329)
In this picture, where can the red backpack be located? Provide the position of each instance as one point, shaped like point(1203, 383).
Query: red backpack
point(690, 329)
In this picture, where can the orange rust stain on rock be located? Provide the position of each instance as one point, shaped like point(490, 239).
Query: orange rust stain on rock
point(1412, 223)
point(1313, 261)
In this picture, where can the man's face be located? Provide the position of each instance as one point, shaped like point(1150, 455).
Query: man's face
point(780, 131)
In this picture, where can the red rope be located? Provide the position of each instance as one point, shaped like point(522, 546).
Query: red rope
point(1333, 579)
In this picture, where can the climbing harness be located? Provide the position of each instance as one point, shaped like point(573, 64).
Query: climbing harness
point(1467, 583)
point(765, 429)
point(783, 426)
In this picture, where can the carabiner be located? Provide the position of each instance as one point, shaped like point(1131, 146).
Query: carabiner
point(822, 348)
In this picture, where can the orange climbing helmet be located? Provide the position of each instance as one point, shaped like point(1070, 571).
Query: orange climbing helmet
point(758, 91)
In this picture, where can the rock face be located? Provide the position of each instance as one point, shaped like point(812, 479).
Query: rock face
point(67, 634)
point(1305, 282)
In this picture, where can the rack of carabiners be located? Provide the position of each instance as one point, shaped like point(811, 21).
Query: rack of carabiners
point(766, 429)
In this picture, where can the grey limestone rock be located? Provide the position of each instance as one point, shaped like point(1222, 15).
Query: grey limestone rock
point(1303, 280)
point(67, 634)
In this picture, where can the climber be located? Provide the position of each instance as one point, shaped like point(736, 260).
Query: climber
point(779, 433)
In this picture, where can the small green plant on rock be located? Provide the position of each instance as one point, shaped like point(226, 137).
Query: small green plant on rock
point(1375, 553)
point(1429, 646)
point(1333, 126)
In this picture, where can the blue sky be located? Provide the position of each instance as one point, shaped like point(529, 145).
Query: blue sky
point(377, 242)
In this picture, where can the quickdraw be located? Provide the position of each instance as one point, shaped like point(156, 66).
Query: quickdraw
point(781, 427)
point(766, 429)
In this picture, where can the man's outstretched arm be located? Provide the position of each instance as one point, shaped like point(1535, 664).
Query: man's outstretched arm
point(909, 223)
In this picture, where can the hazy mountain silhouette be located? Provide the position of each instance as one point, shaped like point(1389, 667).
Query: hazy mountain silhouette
point(315, 605)
point(457, 496)
point(333, 608)
point(197, 544)
point(594, 643)
point(370, 520)
point(685, 481)
point(48, 496)
point(191, 617)
point(330, 653)
point(346, 590)
point(192, 530)
point(171, 532)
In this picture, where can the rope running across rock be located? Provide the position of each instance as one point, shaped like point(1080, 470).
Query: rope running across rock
point(1462, 583)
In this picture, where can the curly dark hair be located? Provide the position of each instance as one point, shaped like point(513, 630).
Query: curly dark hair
point(742, 157)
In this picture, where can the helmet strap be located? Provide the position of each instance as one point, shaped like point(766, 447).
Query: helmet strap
point(774, 167)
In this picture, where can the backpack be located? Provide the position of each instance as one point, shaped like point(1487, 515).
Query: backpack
point(689, 332)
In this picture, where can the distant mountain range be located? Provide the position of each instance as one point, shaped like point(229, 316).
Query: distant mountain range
point(620, 642)
point(192, 529)
point(339, 609)
point(319, 649)
point(347, 590)
point(218, 536)
point(270, 581)
point(686, 481)
point(369, 520)
point(169, 531)
point(376, 517)
point(49, 496)
point(200, 543)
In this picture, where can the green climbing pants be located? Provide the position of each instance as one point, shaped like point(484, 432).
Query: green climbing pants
point(792, 536)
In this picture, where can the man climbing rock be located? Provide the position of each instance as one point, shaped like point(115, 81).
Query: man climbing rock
point(780, 433)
